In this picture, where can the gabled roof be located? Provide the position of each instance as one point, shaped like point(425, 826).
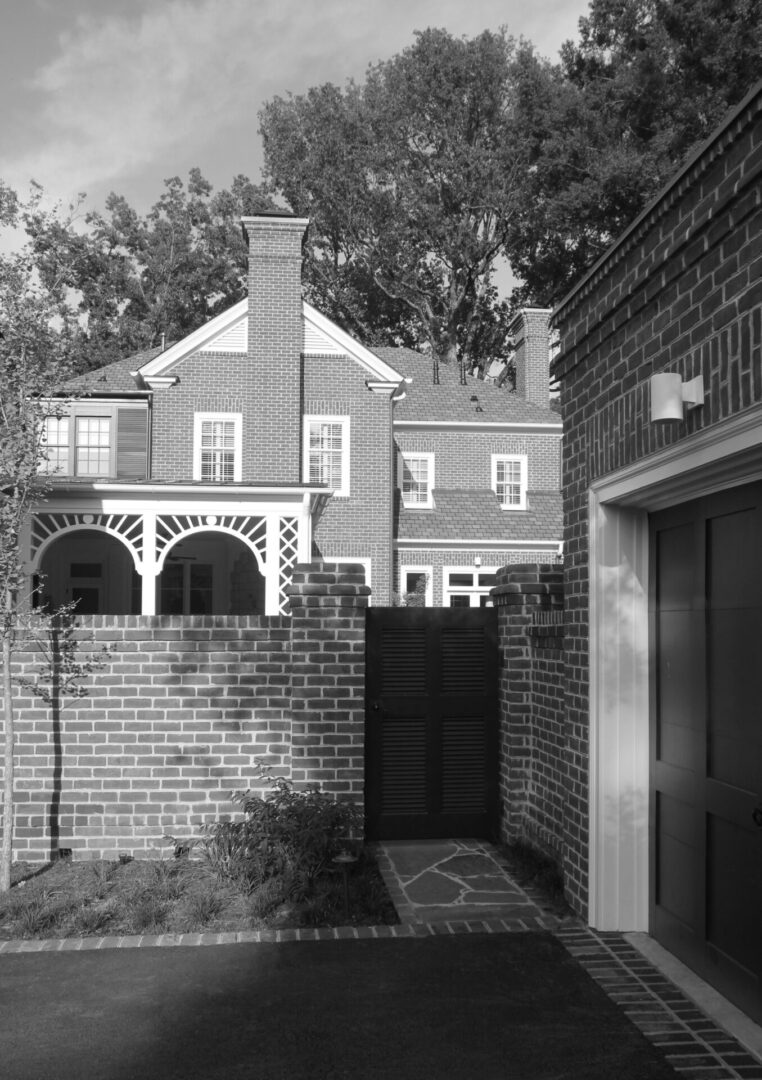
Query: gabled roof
point(450, 401)
point(476, 515)
point(321, 337)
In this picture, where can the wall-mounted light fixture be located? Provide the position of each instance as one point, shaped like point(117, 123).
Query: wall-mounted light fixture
point(670, 395)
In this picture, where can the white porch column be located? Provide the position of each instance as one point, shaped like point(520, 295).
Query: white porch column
point(272, 566)
point(148, 567)
point(305, 530)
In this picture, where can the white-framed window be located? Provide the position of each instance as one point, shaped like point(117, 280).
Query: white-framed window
point(417, 586)
point(417, 480)
point(509, 480)
point(326, 452)
point(56, 443)
point(92, 445)
point(217, 447)
point(466, 586)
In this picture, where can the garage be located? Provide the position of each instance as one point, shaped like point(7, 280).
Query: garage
point(706, 738)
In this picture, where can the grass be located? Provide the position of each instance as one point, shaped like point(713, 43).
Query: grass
point(85, 899)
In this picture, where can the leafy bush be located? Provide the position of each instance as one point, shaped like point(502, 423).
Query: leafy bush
point(286, 834)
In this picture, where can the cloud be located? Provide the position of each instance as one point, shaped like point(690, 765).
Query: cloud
point(149, 89)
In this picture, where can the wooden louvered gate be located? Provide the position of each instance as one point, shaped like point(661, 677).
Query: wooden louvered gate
point(431, 723)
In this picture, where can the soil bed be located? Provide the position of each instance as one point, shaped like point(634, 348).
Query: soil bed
point(84, 899)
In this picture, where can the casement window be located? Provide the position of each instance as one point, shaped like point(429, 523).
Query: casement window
point(106, 440)
point(509, 480)
point(463, 587)
point(417, 480)
point(326, 452)
point(217, 448)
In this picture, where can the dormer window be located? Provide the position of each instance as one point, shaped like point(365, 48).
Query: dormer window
point(217, 448)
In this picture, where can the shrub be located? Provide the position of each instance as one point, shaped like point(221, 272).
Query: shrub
point(286, 834)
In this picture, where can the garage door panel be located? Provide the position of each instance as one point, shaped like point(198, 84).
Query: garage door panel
point(735, 692)
point(706, 757)
point(732, 559)
point(734, 893)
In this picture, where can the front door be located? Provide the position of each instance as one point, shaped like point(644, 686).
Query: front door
point(706, 767)
point(431, 722)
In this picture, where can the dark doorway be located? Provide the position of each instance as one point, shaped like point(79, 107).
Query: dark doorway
point(706, 739)
point(431, 723)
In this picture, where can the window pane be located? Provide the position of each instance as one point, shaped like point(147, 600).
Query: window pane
point(508, 482)
point(325, 453)
point(415, 481)
point(461, 580)
point(56, 443)
point(218, 450)
point(93, 450)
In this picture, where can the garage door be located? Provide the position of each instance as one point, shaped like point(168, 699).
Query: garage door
point(706, 767)
point(431, 723)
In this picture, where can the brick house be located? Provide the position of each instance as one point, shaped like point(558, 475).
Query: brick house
point(662, 577)
point(192, 480)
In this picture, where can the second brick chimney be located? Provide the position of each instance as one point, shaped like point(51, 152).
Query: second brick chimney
point(531, 340)
point(275, 343)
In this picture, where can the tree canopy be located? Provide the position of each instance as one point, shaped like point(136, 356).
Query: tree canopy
point(138, 281)
point(647, 81)
point(445, 161)
point(411, 181)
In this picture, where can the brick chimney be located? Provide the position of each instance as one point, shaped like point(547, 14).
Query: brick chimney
point(531, 339)
point(275, 345)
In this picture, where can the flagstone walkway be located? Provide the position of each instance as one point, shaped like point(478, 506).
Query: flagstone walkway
point(457, 882)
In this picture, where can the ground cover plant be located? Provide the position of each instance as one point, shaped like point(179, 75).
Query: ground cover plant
point(276, 867)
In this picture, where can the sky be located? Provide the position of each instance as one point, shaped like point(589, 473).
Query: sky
point(119, 95)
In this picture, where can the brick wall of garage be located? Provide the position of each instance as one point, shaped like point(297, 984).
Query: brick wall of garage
point(680, 292)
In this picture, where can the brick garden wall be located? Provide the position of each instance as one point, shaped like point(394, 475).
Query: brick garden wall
point(680, 292)
point(178, 716)
point(534, 739)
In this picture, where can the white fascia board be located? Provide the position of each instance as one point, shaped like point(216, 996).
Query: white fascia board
point(195, 341)
point(476, 425)
point(374, 365)
point(497, 545)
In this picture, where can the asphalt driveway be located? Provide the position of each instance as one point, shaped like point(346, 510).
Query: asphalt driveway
point(486, 1006)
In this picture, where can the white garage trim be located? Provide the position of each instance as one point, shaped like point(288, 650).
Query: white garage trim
point(727, 455)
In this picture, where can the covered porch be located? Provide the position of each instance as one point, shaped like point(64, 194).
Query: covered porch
point(174, 549)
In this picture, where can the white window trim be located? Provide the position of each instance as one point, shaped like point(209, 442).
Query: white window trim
point(409, 455)
point(522, 460)
point(199, 419)
point(725, 455)
point(473, 590)
point(342, 491)
point(429, 572)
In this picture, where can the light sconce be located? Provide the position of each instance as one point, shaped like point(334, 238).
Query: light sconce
point(477, 560)
point(670, 395)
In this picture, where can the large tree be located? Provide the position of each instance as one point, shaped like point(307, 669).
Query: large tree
point(646, 81)
point(137, 282)
point(411, 181)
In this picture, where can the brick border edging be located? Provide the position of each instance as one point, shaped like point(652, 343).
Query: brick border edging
point(254, 937)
